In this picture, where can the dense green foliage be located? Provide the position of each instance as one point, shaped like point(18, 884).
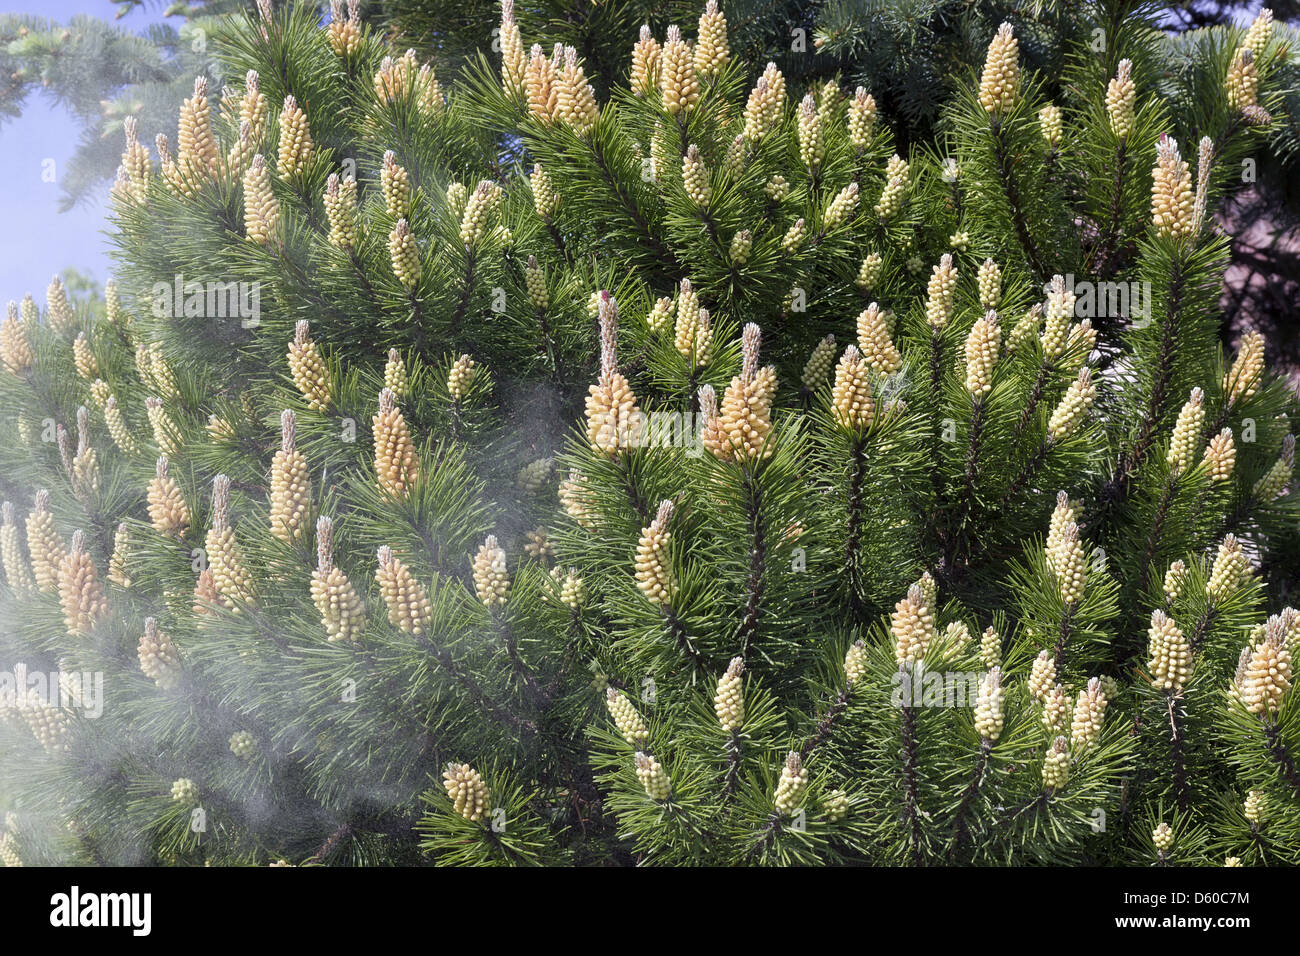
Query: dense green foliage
point(730, 604)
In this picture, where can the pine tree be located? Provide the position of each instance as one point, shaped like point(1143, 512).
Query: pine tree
point(684, 475)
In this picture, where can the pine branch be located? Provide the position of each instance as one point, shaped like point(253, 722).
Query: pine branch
point(1011, 189)
point(911, 784)
point(1135, 454)
point(1281, 756)
point(1182, 795)
point(756, 582)
point(961, 824)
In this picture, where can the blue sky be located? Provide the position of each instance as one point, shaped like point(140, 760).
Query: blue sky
point(38, 241)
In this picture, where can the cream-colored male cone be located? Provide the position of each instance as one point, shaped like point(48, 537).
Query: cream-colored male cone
point(168, 512)
point(989, 717)
point(290, 484)
point(17, 574)
point(296, 147)
point(308, 368)
point(514, 63)
point(1169, 654)
point(816, 371)
point(1086, 722)
point(712, 50)
point(469, 794)
point(624, 714)
point(233, 582)
point(852, 403)
point(912, 626)
point(341, 610)
point(729, 697)
point(1268, 675)
point(80, 593)
point(791, 786)
point(261, 208)
point(653, 563)
point(613, 415)
point(1172, 198)
point(44, 543)
point(678, 83)
point(741, 427)
point(491, 581)
point(407, 602)
point(159, 659)
point(652, 776)
point(998, 84)
point(397, 466)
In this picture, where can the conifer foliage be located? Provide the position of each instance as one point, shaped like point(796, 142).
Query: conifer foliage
point(501, 472)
